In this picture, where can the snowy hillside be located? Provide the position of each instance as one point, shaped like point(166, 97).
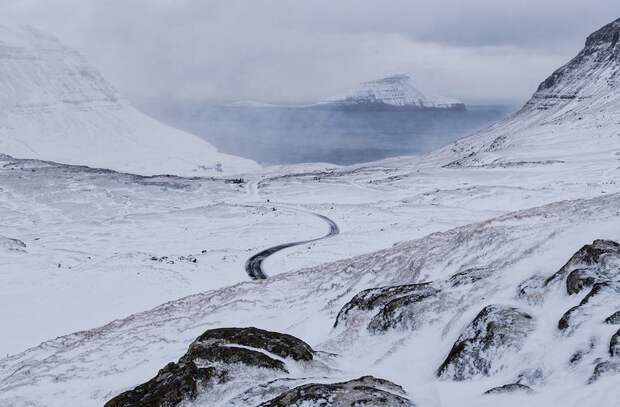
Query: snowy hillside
point(396, 92)
point(55, 106)
point(485, 274)
point(574, 115)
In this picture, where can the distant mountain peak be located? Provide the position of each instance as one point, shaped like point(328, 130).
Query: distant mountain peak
point(394, 92)
point(592, 74)
point(575, 111)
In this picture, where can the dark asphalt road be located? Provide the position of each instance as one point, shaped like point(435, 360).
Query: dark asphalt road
point(254, 264)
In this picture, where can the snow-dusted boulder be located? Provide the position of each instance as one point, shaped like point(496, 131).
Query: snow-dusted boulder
point(365, 391)
point(217, 357)
point(384, 308)
point(496, 331)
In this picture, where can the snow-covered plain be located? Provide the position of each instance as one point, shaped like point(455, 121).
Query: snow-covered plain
point(484, 221)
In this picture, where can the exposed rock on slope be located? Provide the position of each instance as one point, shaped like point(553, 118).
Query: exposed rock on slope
point(55, 106)
point(216, 357)
point(495, 331)
point(391, 307)
point(365, 391)
point(236, 357)
point(92, 366)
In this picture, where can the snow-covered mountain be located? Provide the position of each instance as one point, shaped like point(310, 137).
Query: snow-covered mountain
point(574, 114)
point(486, 274)
point(396, 92)
point(55, 106)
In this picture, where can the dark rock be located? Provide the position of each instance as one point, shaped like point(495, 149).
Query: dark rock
point(390, 307)
point(283, 345)
point(588, 255)
point(510, 388)
point(173, 384)
point(469, 276)
point(405, 312)
point(224, 348)
point(365, 391)
point(495, 331)
point(613, 319)
point(614, 345)
point(579, 279)
point(214, 353)
point(606, 368)
point(577, 314)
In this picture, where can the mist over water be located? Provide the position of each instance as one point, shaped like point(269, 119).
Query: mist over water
point(287, 135)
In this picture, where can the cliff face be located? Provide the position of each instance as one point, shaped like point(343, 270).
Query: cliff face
point(573, 113)
point(396, 92)
point(55, 106)
point(592, 75)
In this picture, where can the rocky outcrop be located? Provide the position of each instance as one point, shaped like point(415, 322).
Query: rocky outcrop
point(174, 384)
point(469, 276)
point(365, 391)
point(282, 345)
point(614, 345)
point(600, 295)
point(593, 72)
point(494, 332)
point(510, 388)
point(606, 368)
point(585, 259)
point(212, 359)
point(613, 319)
point(397, 307)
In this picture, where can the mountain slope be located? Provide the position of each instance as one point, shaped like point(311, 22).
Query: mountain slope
point(55, 106)
point(396, 92)
point(522, 308)
point(574, 114)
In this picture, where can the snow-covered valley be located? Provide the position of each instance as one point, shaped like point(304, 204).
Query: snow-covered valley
point(473, 256)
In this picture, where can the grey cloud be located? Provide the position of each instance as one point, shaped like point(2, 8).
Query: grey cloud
point(478, 50)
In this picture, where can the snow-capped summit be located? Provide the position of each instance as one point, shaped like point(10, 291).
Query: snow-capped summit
point(55, 106)
point(396, 92)
point(588, 81)
point(575, 112)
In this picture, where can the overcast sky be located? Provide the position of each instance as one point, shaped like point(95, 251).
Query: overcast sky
point(275, 50)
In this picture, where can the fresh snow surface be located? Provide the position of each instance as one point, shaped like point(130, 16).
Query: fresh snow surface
point(55, 106)
point(511, 204)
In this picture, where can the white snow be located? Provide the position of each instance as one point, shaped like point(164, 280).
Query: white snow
point(517, 199)
point(55, 106)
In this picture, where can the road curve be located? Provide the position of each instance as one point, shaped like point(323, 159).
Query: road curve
point(254, 265)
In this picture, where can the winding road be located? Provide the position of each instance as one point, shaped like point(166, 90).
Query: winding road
point(254, 264)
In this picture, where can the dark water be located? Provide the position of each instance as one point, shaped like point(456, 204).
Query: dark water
point(283, 135)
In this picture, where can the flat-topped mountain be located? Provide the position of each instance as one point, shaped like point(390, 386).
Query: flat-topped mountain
point(396, 92)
